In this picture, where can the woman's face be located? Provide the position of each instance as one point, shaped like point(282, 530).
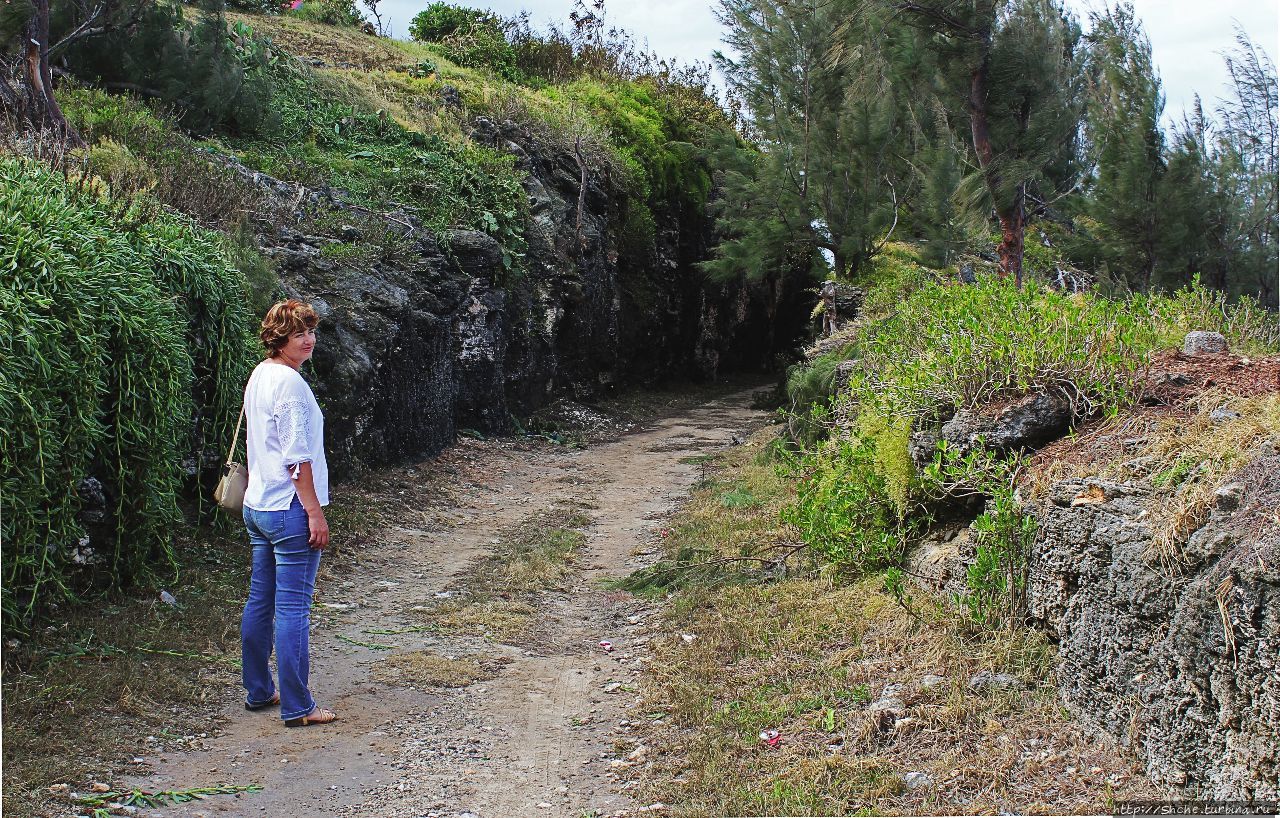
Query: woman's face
point(299, 347)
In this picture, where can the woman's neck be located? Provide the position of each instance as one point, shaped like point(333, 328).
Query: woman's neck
point(285, 361)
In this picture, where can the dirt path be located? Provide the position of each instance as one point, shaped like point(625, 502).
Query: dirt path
point(538, 738)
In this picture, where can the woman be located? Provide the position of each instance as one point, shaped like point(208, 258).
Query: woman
point(284, 513)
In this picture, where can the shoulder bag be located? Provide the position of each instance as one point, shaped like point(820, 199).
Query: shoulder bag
point(235, 478)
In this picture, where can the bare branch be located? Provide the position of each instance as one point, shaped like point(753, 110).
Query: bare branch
point(81, 31)
point(894, 193)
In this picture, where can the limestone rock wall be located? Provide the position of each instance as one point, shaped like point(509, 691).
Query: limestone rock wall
point(1179, 659)
point(440, 337)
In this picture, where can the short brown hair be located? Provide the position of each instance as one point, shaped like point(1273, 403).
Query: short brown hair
point(283, 320)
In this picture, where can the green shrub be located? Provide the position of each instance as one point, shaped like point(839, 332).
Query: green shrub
point(124, 131)
point(952, 347)
point(1250, 328)
point(810, 388)
point(485, 48)
point(996, 579)
point(844, 507)
point(469, 37)
point(211, 80)
point(440, 20)
point(262, 285)
point(115, 164)
point(113, 331)
point(654, 128)
point(257, 6)
point(890, 278)
point(330, 12)
point(949, 347)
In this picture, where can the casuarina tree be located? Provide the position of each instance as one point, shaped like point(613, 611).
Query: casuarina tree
point(1125, 145)
point(819, 177)
point(1013, 69)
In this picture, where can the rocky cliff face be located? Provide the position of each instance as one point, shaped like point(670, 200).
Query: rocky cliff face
point(438, 337)
point(1181, 660)
point(1176, 655)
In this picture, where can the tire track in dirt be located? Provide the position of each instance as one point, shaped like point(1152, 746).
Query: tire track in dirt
point(539, 738)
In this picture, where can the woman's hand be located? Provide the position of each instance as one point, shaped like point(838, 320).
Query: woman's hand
point(319, 528)
point(316, 523)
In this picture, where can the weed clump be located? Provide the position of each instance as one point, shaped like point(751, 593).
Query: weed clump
point(427, 669)
point(497, 600)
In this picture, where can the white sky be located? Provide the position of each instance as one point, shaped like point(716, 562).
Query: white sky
point(1187, 36)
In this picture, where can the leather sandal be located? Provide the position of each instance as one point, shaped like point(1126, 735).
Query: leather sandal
point(272, 702)
point(317, 716)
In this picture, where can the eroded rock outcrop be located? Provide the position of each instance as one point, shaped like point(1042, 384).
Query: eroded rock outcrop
point(1024, 424)
point(1178, 657)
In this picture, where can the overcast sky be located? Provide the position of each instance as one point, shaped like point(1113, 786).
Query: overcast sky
point(1187, 36)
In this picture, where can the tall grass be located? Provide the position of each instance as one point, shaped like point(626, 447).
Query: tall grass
point(116, 333)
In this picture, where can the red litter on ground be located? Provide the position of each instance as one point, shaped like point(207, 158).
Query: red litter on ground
point(606, 645)
point(770, 737)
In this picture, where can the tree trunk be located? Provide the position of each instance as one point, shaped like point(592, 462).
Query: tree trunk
point(42, 109)
point(1012, 230)
point(1012, 220)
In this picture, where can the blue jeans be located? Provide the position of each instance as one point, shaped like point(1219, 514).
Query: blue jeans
point(280, 591)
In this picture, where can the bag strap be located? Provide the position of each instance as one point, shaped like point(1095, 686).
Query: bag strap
point(235, 439)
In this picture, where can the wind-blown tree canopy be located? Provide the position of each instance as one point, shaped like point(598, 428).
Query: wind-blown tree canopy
point(1219, 196)
point(827, 131)
point(1125, 145)
point(149, 48)
point(1014, 67)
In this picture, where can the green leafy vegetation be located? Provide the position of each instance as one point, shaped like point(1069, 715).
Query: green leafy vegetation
point(211, 80)
point(469, 37)
point(331, 137)
point(943, 348)
point(102, 804)
point(330, 12)
point(138, 148)
point(117, 325)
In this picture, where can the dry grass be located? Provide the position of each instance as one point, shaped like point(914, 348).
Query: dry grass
point(1193, 457)
point(729, 529)
point(805, 656)
point(1183, 456)
point(422, 668)
point(536, 554)
point(334, 45)
point(497, 597)
point(501, 620)
point(81, 696)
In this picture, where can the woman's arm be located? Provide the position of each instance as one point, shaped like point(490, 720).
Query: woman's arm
point(305, 485)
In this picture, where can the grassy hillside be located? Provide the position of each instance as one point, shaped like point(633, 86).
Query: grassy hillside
point(390, 123)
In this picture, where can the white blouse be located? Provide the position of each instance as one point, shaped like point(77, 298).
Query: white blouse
point(285, 428)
